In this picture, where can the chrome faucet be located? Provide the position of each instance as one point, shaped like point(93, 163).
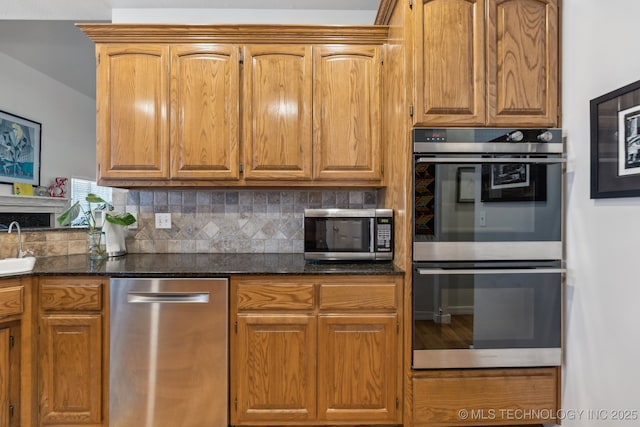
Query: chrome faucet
point(21, 253)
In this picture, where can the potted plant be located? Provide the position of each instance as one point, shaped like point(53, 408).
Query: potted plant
point(113, 226)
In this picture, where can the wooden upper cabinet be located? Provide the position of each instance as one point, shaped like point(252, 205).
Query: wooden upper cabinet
point(277, 111)
point(346, 112)
point(486, 62)
point(229, 105)
point(132, 104)
point(205, 111)
point(450, 62)
point(522, 45)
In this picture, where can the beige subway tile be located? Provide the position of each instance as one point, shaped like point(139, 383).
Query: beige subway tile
point(56, 236)
point(77, 247)
point(57, 248)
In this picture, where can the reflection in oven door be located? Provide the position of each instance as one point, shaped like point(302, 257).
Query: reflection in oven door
point(487, 314)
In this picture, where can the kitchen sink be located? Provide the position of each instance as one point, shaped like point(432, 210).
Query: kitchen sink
point(9, 266)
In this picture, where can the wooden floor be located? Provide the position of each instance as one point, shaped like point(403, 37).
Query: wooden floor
point(437, 336)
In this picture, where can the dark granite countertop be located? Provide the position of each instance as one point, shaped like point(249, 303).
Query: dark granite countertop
point(203, 265)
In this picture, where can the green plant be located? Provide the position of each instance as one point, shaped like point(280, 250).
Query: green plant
point(88, 218)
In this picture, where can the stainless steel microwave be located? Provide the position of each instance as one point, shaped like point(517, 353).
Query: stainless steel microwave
point(348, 234)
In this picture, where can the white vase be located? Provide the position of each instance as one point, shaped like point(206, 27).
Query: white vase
point(114, 236)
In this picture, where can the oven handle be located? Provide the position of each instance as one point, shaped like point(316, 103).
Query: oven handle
point(442, 271)
point(489, 160)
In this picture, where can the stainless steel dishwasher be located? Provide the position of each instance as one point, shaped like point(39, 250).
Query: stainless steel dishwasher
point(168, 351)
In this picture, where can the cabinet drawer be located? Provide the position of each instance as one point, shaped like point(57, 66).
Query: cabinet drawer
point(374, 295)
point(71, 294)
point(11, 300)
point(275, 297)
point(489, 396)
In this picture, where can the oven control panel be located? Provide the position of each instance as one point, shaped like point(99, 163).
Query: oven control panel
point(484, 135)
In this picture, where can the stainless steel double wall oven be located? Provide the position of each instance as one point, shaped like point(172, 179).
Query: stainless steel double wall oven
point(487, 247)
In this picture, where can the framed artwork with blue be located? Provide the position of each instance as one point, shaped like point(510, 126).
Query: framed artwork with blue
point(19, 149)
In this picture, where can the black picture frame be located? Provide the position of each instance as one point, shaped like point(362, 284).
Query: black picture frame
point(514, 182)
point(20, 150)
point(615, 143)
point(465, 183)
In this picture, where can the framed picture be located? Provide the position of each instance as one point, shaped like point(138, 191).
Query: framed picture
point(514, 182)
point(615, 143)
point(465, 185)
point(19, 149)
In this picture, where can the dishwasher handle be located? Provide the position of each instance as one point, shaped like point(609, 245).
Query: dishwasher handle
point(168, 297)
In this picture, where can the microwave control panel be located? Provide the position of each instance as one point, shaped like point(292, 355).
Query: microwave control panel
point(384, 234)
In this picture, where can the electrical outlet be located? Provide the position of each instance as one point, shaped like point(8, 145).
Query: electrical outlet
point(483, 219)
point(133, 226)
point(163, 220)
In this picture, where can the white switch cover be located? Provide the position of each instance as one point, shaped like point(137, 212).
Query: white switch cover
point(163, 220)
point(483, 218)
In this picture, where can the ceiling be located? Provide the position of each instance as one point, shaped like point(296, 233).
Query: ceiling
point(42, 35)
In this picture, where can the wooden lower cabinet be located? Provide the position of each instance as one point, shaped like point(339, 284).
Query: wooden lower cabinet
point(278, 381)
point(10, 374)
point(356, 368)
point(315, 350)
point(483, 397)
point(72, 381)
point(16, 355)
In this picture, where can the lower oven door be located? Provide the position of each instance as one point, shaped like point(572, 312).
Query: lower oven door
point(475, 315)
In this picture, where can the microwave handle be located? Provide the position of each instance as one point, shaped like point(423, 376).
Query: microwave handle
point(441, 271)
point(372, 231)
point(489, 160)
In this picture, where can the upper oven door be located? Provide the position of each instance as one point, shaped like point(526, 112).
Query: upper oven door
point(505, 206)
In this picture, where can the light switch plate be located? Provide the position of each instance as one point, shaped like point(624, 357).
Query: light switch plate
point(163, 220)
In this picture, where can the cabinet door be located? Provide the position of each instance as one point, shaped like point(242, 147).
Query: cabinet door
point(276, 378)
point(522, 45)
point(205, 112)
point(357, 368)
point(277, 112)
point(10, 374)
point(71, 369)
point(5, 378)
point(346, 113)
point(132, 102)
point(449, 62)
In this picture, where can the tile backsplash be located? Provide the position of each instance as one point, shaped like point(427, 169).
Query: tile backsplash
point(202, 221)
point(240, 221)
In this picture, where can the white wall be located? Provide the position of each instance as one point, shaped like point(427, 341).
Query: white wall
point(245, 16)
point(68, 120)
point(603, 288)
